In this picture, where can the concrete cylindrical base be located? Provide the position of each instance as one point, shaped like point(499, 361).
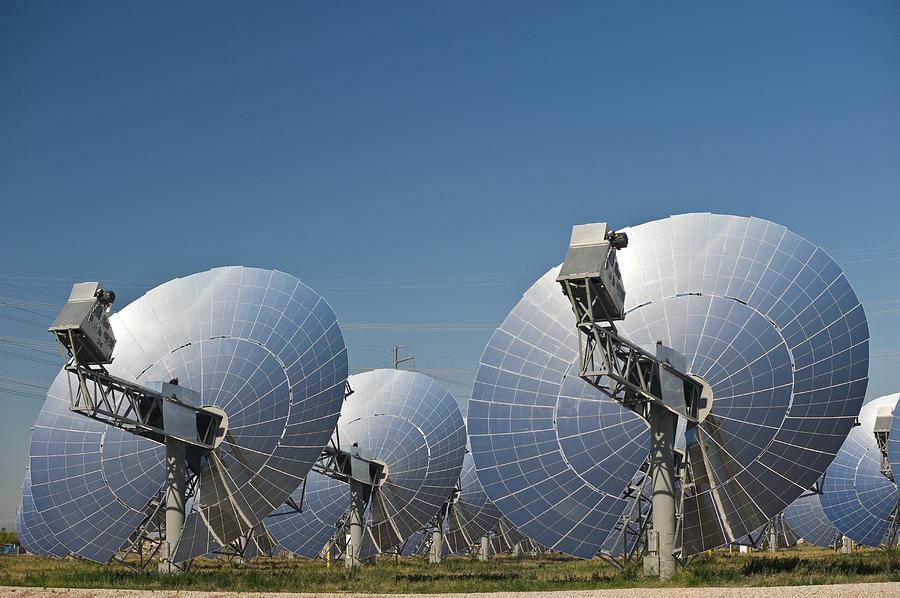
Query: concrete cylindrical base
point(662, 476)
point(437, 545)
point(176, 471)
point(357, 515)
point(485, 549)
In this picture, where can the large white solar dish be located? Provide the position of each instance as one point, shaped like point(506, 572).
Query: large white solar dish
point(410, 424)
point(771, 324)
point(858, 498)
point(766, 319)
point(257, 344)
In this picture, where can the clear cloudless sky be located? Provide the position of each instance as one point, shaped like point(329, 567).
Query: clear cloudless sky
point(421, 163)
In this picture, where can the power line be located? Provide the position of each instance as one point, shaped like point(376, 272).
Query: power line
point(419, 327)
point(31, 358)
point(24, 321)
point(23, 303)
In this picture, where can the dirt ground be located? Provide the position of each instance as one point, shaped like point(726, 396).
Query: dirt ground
point(867, 590)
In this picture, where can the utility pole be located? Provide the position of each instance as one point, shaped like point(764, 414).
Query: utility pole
point(397, 360)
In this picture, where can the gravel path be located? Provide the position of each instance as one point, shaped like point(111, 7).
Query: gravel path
point(859, 590)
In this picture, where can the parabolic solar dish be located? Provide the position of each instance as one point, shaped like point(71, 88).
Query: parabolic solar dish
point(412, 425)
point(471, 516)
point(258, 344)
point(766, 319)
point(808, 520)
point(858, 498)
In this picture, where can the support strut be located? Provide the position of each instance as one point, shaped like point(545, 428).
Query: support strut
point(357, 515)
point(661, 561)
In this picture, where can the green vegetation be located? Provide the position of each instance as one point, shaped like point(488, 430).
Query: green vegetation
point(551, 572)
point(7, 537)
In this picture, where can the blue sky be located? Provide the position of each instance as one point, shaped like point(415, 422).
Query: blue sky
point(421, 163)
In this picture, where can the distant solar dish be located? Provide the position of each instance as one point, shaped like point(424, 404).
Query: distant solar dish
point(471, 515)
point(808, 520)
point(305, 526)
point(858, 496)
point(507, 539)
point(470, 519)
point(410, 425)
point(256, 543)
point(257, 344)
point(764, 318)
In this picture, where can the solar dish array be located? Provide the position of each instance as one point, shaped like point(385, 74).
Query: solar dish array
point(857, 497)
point(764, 317)
point(258, 344)
point(767, 319)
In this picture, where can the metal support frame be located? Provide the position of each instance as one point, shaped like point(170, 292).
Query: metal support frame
point(635, 522)
point(133, 408)
point(846, 545)
point(881, 437)
point(338, 464)
point(630, 375)
point(893, 534)
point(396, 360)
point(146, 543)
point(622, 369)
